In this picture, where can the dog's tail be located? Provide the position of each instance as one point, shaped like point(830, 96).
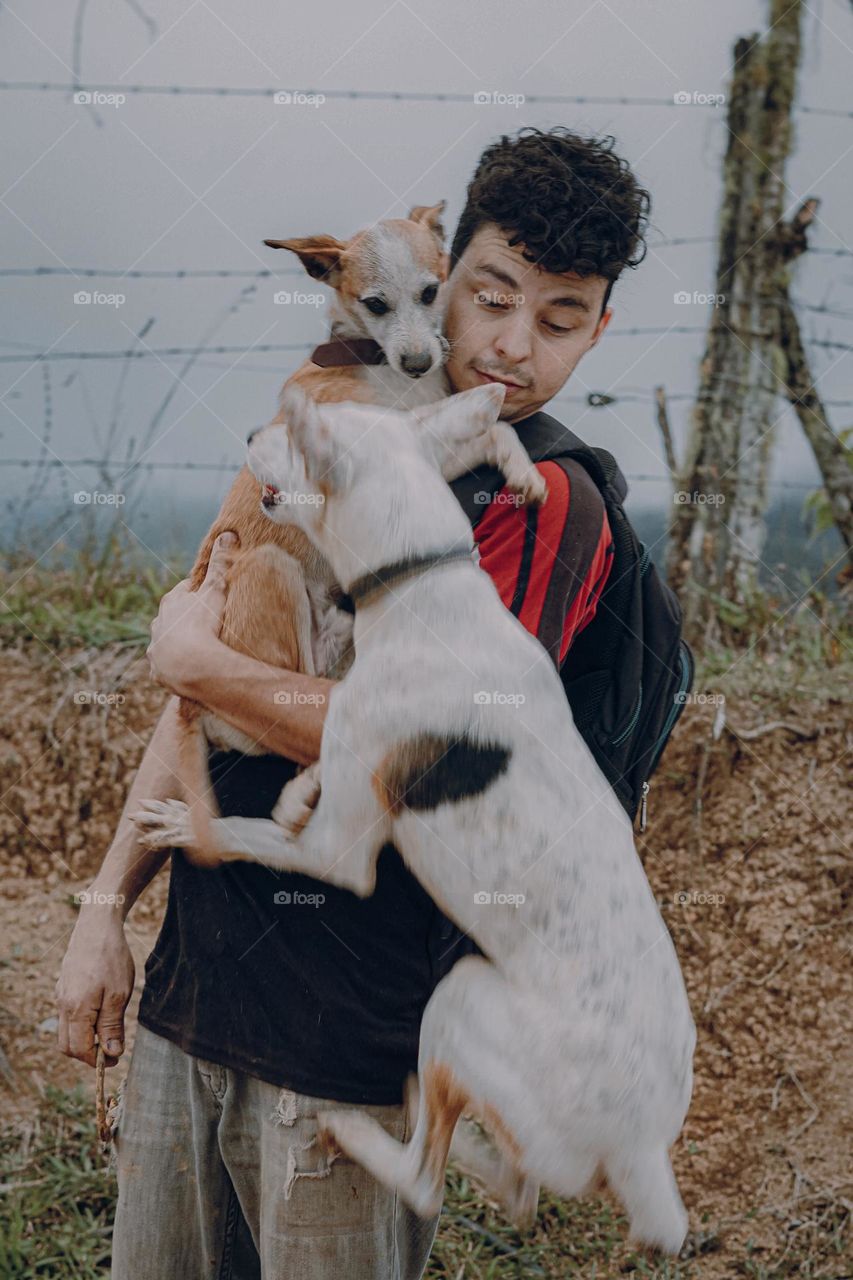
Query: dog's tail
point(194, 777)
point(645, 1184)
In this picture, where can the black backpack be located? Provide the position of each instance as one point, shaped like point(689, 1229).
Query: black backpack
point(629, 671)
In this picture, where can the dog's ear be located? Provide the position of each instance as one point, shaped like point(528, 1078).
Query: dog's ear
point(313, 439)
point(429, 215)
point(320, 256)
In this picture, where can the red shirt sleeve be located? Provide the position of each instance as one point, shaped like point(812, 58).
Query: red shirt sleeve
point(549, 564)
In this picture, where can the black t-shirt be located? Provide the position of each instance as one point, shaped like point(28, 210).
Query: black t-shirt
point(306, 985)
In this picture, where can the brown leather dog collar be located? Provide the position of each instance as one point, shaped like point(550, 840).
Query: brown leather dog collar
point(347, 351)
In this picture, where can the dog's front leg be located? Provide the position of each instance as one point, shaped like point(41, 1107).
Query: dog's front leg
point(324, 849)
point(498, 446)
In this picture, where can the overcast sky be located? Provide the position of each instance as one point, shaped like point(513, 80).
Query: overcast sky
point(197, 182)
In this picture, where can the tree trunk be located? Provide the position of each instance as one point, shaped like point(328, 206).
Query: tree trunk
point(828, 450)
point(718, 532)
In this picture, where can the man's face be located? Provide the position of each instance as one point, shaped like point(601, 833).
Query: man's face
point(509, 321)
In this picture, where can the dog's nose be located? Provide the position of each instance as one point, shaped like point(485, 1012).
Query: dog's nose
point(250, 437)
point(416, 362)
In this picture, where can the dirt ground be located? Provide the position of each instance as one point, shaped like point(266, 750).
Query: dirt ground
point(747, 851)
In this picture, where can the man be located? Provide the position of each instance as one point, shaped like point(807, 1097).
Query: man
point(268, 995)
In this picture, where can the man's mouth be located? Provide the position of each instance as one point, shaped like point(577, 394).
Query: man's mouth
point(505, 382)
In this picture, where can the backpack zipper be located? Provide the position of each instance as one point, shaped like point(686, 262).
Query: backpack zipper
point(629, 729)
point(683, 684)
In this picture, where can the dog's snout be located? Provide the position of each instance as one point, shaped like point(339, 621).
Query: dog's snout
point(416, 362)
point(250, 437)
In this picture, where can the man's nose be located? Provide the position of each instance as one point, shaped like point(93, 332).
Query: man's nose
point(512, 340)
point(416, 362)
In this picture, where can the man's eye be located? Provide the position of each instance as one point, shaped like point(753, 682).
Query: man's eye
point(429, 294)
point(557, 328)
point(377, 306)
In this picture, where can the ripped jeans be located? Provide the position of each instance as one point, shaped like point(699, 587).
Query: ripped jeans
point(220, 1178)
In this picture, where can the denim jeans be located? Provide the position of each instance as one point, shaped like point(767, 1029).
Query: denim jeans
point(220, 1178)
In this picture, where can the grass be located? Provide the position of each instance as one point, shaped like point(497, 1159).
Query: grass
point(101, 597)
point(56, 1198)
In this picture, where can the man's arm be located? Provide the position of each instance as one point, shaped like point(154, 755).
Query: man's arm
point(97, 974)
point(96, 978)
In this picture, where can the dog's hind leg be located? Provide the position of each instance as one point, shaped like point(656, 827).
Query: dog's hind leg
point(466, 1038)
point(644, 1182)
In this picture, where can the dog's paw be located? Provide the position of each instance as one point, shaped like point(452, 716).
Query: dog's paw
point(530, 486)
point(163, 824)
point(297, 801)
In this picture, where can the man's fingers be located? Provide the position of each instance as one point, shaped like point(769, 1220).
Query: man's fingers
point(81, 1036)
point(111, 1029)
point(221, 559)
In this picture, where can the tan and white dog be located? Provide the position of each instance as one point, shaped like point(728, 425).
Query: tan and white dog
point(451, 736)
point(386, 348)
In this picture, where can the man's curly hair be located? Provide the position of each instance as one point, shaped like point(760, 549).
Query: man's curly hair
point(572, 203)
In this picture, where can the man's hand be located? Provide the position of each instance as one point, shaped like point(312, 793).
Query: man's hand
point(188, 622)
point(94, 986)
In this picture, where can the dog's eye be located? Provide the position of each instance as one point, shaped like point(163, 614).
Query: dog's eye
point(429, 294)
point(377, 306)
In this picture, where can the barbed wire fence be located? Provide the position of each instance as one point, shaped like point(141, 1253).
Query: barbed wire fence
point(199, 355)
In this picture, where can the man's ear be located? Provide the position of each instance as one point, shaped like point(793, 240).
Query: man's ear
point(312, 438)
point(321, 256)
point(429, 215)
